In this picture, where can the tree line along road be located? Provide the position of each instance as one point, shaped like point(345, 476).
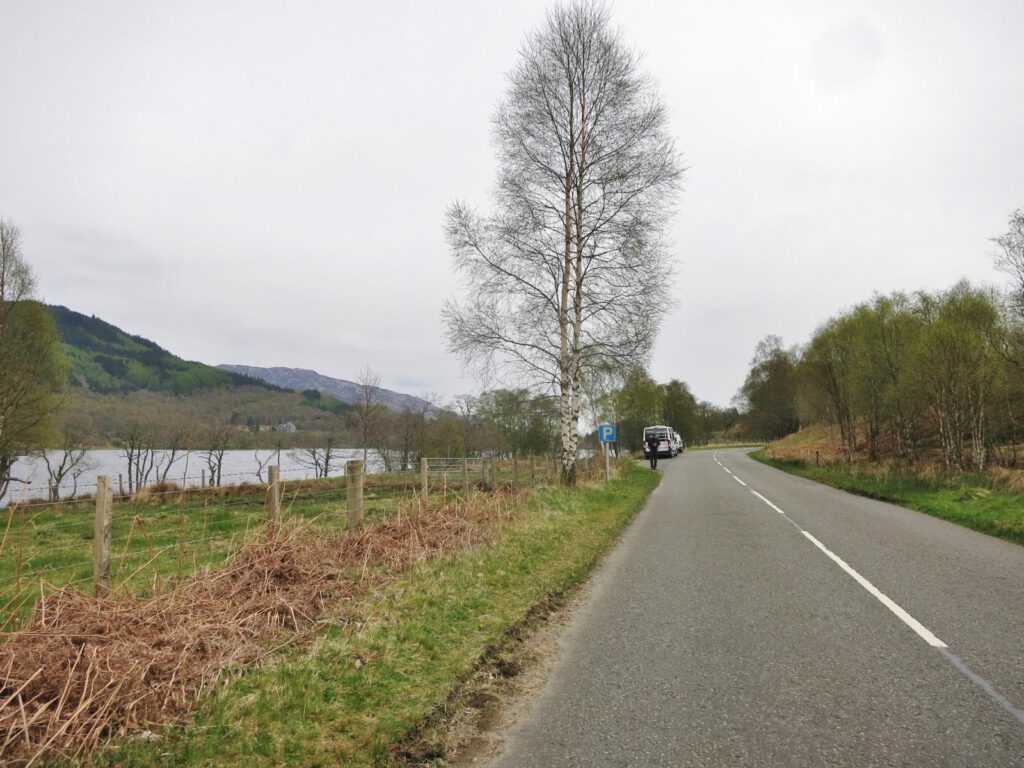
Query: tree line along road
point(753, 618)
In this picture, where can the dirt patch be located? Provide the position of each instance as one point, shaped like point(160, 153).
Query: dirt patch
point(85, 669)
point(469, 728)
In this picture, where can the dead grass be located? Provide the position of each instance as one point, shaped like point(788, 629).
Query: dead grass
point(1011, 479)
point(85, 669)
point(818, 444)
point(808, 445)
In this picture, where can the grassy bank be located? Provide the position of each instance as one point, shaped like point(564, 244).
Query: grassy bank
point(722, 446)
point(383, 666)
point(980, 502)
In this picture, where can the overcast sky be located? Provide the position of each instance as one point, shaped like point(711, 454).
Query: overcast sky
point(265, 183)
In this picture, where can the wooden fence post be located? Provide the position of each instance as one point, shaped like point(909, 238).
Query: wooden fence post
point(101, 542)
point(204, 479)
point(424, 479)
point(533, 469)
point(274, 496)
point(354, 493)
point(120, 485)
point(515, 470)
point(465, 477)
point(182, 521)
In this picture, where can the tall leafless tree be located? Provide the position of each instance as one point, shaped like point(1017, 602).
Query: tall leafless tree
point(317, 458)
point(371, 411)
point(218, 439)
point(140, 452)
point(68, 462)
point(571, 272)
point(1010, 258)
point(178, 437)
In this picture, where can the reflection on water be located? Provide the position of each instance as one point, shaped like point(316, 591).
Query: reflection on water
point(187, 470)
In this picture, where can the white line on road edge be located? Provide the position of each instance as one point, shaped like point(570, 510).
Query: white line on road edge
point(923, 632)
point(762, 498)
point(738, 480)
point(884, 599)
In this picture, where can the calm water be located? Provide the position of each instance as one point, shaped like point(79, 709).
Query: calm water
point(238, 467)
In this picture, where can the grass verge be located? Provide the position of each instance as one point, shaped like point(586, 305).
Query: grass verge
point(382, 669)
point(973, 501)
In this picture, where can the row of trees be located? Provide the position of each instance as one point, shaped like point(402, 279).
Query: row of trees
point(640, 401)
point(500, 422)
point(904, 374)
point(162, 444)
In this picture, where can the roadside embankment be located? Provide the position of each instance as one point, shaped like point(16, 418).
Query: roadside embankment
point(386, 661)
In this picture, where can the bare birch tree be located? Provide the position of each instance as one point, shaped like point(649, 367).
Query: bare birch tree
point(571, 272)
point(1010, 259)
point(371, 411)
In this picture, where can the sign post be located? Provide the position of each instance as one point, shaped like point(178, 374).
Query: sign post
point(606, 433)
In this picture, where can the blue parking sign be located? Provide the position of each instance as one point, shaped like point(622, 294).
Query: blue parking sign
point(606, 433)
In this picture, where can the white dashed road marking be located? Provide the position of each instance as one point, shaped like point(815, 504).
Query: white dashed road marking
point(922, 631)
point(884, 599)
point(762, 498)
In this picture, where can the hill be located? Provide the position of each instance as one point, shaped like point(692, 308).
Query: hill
point(118, 380)
point(344, 390)
point(107, 360)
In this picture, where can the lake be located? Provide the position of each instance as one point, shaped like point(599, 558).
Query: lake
point(187, 471)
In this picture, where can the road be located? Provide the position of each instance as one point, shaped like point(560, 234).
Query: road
point(753, 618)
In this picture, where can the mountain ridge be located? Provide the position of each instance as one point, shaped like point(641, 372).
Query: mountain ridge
point(347, 391)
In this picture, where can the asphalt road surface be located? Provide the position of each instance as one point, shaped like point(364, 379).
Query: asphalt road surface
point(752, 618)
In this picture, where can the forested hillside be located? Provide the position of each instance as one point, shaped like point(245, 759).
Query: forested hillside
point(105, 359)
point(119, 383)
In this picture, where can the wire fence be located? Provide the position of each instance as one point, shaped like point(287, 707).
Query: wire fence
point(34, 483)
point(160, 537)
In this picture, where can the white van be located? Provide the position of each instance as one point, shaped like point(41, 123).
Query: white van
point(666, 445)
point(677, 442)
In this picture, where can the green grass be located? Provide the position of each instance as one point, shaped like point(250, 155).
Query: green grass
point(356, 693)
point(971, 500)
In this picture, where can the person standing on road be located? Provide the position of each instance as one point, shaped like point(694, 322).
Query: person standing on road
point(652, 442)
